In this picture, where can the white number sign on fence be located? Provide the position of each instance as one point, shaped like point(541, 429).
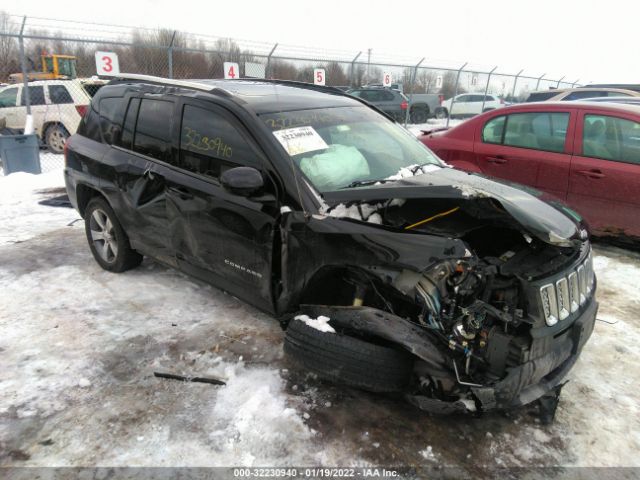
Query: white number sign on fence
point(439, 81)
point(387, 79)
point(107, 63)
point(319, 76)
point(231, 70)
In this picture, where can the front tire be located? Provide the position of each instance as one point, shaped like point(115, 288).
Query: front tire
point(55, 138)
point(348, 360)
point(108, 241)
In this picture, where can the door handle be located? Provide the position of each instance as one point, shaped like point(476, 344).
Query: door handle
point(181, 192)
point(597, 174)
point(497, 160)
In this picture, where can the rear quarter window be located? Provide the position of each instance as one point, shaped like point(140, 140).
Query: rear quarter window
point(110, 123)
point(58, 94)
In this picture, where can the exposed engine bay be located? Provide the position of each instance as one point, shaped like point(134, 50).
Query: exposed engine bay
point(479, 310)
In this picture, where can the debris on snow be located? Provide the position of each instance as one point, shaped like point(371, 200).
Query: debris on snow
point(321, 323)
point(84, 383)
point(428, 454)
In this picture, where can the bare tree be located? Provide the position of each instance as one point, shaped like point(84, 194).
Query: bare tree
point(335, 75)
point(9, 62)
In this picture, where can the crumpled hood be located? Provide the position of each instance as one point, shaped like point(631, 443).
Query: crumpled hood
point(551, 223)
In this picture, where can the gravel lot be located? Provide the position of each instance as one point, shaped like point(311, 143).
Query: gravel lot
point(78, 348)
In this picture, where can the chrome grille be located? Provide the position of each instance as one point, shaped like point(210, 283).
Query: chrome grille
point(569, 293)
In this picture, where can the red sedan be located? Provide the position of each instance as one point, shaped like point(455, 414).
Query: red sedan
point(586, 154)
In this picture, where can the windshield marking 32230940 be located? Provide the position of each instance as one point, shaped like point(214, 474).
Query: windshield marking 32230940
point(358, 146)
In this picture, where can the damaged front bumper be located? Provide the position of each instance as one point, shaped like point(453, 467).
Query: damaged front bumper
point(551, 359)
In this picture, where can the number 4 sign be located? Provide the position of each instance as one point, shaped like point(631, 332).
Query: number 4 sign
point(107, 63)
point(318, 76)
point(231, 70)
point(387, 79)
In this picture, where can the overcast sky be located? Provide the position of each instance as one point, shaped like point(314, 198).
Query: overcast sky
point(590, 40)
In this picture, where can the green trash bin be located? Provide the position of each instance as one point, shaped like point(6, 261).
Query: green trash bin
point(20, 153)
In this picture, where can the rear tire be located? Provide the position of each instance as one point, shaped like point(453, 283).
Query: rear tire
point(108, 242)
point(55, 138)
point(419, 115)
point(348, 360)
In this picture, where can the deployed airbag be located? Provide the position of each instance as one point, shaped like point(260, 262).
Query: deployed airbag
point(337, 166)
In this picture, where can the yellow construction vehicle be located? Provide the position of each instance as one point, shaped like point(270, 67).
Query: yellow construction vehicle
point(53, 67)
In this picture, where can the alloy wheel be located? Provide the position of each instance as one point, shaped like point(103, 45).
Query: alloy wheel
point(103, 236)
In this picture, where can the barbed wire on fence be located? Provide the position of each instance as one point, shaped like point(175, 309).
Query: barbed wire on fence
point(27, 42)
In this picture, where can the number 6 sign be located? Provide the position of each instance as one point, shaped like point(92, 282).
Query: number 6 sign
point(318, 76)
point(107, 63)
point(387, 79)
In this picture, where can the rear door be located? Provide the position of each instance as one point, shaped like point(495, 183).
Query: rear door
point(531, 148)
point(605, 171)
point(224, 238)
point(136, 170)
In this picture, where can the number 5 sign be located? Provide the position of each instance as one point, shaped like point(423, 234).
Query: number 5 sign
point(318, 76)
point(231, 70)
point(107, 63)
point(387, 79)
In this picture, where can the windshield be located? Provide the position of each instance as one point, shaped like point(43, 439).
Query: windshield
point(346, 146)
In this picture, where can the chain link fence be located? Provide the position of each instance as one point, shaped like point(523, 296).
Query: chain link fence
point(41, 49)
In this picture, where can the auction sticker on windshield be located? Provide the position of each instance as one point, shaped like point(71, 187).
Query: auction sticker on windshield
point(300, 140)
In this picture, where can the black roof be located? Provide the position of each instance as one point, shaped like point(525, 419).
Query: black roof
point(267, 96)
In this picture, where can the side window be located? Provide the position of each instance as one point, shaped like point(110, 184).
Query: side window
point(357, 93)
point(59, 94)
point(210, 144)
point(389, 96)
point(126, 139)
point(537, 130)
point(153, 129)
point(36, 96)
point(8, 97)
point(109, 123)
point(462, 99)
point(617, 94)
point(611, 138)
point(581, 95)
point(493, 130)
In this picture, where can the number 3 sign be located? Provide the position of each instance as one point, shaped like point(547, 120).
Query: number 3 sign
point(107, 63)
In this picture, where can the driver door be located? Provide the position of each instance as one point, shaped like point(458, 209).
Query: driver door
point(221, 237)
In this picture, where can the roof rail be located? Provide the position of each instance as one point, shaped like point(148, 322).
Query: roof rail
point(123, 77)
point(296, 83)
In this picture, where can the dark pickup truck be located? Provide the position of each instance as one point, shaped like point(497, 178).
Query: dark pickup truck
point(389, 270)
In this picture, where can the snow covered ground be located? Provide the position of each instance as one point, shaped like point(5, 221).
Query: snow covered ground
point(78, 348)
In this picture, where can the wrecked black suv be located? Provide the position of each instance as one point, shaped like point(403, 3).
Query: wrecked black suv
point(389, 270)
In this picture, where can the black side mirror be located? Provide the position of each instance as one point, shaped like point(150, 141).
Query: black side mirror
point(243, 181)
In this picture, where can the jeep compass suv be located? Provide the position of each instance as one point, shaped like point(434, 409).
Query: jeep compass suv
point(389, 270)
